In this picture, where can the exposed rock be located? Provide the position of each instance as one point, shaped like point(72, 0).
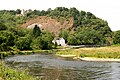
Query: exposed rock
point(49, 24)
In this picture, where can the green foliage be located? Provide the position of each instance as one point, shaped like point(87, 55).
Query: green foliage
point(10, 74)
point(36, 43)
point(2, 27)
point(72, 40)
point(18, 11)
point(7, 40)
point(64, 34)
point(55, 45)
point(48, 37)
point(9, 37)
point(116, 37)
point(36, 31)
point(86, 37)
point(82, 22)
point(35, 13)
point(43, 42)
point(23, 43)
point(2, 39)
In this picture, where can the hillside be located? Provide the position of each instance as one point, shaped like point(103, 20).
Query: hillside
point(49, 24)
point(76, 27)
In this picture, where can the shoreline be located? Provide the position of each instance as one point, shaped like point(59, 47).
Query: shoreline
point(100, 59)
point(25, 52)
point(66, 56)
point(91, 58)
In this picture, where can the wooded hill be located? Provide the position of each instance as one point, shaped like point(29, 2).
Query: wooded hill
point(82, 27)
point(76, 27)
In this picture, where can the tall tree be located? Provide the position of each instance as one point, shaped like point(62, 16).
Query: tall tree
point(36, 31)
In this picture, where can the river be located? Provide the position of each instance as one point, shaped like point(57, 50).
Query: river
point(51, 67)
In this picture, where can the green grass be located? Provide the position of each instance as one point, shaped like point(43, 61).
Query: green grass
point(101, 52)
point(10, 74)
point(102, 55)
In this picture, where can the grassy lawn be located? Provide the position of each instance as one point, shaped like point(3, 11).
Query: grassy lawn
point(98, 52)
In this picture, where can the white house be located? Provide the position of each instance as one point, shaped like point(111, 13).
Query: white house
point(59, 41)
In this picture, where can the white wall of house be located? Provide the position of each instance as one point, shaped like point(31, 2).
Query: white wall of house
point(60, 41)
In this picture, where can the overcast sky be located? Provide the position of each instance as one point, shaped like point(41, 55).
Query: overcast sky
point(108, 10)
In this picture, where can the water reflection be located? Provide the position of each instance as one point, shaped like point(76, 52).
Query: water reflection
point(50, 67)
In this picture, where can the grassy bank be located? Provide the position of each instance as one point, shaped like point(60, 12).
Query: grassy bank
point(99, 52)
point(7, 73)
point(10, 53)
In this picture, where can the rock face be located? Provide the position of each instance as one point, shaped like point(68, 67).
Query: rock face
point(33, 25)
point(49, 24)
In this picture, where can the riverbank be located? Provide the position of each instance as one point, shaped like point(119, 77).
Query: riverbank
point(27, 52)
point(7, 73)
point(109, 53)
point(99, 59)
point(96, 52)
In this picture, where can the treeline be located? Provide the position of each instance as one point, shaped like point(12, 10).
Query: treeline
point(24, 39)
point(87, 29)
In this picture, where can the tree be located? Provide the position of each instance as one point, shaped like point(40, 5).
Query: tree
point(18, 11)
point(4, 47)
point(9, 37)
point(36, 31)
point(2, 26)
point(64, 34)
point(23, 43)
point(6, 40)
point(2, 43)
point(72, 40)
point(116, 37)
point(43, 42)
point(38, 43)
point(47, 38)
point(2, 39)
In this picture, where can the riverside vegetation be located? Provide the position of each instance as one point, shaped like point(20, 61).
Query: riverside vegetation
point(9, 74)
point(86, 29)
point(95, 52)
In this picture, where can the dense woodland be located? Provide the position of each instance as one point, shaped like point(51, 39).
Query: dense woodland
point(86, 30)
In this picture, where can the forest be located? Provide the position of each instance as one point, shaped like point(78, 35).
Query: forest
point(87, 29)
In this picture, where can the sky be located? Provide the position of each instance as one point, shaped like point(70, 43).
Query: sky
point(108, 10)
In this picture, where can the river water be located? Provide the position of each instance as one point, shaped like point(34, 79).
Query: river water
point(51, 67)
